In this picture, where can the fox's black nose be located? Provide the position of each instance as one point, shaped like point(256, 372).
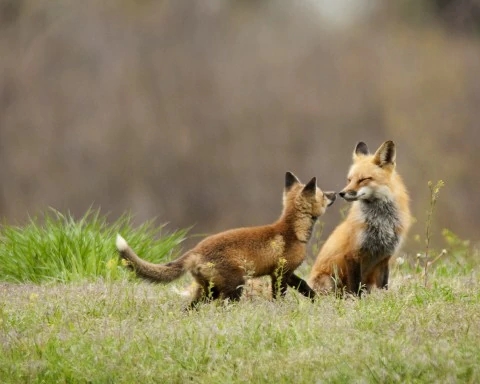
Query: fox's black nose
point(342, 194)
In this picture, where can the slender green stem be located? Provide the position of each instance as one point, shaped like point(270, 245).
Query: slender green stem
point(434, 192)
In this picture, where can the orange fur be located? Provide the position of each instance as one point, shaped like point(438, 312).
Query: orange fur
point(358, 251)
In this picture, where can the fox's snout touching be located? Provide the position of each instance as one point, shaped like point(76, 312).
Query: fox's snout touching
point(350, 195)
point(331, 196)
point(344, 193)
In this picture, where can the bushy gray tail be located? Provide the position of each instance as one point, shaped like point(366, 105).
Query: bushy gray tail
point(158, 273)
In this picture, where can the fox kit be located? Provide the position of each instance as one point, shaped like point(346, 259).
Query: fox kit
point(358, 251)
point(220, 263)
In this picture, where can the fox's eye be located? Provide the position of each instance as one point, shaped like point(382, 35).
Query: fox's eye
point(364, 179)
point(349, 180)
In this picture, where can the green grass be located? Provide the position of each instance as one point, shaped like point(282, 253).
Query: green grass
point(57, 247)
point(110, 328)
point(124, 332)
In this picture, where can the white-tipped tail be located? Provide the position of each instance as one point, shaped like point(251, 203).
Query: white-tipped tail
point(121, 243)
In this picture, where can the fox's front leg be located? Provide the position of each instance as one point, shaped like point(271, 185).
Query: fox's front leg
point(354, 277)
point(383, 274)
point(301, 286)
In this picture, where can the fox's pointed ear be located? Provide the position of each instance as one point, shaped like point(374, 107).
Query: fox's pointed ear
point(290, 180)
point(385, 155)
point(310, 187)
point(361, 149)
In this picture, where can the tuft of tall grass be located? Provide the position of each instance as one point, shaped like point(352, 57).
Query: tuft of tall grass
point(57, 247)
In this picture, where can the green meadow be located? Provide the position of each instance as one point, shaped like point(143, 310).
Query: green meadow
point(71, 313)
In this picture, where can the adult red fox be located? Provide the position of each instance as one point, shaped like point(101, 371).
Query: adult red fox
point(357, 253)
point(220, 263)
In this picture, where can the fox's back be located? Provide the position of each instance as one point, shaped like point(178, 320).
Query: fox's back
point(260, 247)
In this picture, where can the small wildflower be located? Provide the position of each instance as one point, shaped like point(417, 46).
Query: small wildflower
point(282, 262)
point(400, 260)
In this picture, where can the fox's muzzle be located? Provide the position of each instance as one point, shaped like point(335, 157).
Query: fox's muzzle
point(331, 196)
point(348, 195)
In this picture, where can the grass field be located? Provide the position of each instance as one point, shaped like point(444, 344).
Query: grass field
point(108, 327)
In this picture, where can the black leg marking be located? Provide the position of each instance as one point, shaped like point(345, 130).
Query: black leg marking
point(233, 294)
point(354, 277)
point(233, 290)
point(301, 286)
point(383, 279)
point(213, 293)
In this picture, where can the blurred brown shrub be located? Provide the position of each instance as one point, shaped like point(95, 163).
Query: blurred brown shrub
point(192, 111)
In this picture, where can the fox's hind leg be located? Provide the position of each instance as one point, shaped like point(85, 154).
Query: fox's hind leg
point(204, 292)
point(198, 297)
point(233, 289)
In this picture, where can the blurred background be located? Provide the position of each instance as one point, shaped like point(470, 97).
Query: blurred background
point(192, 111)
